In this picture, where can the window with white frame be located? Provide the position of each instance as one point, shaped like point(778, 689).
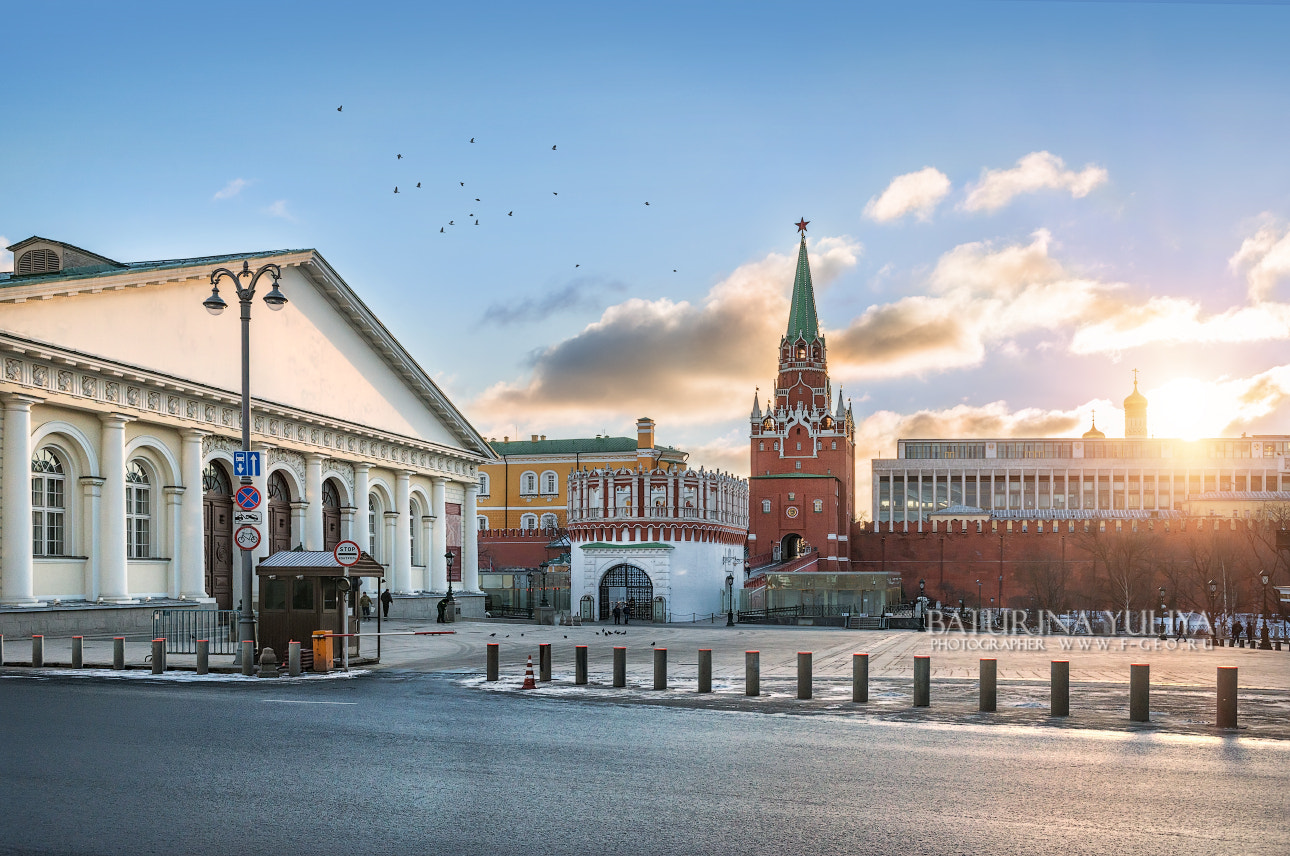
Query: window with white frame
point(765, 506)
point(138, 512)
point(528, 483)
point(528, 521)
point(819, 505)
point(550, 482)
point(482, 521)
point(483, 484)
point(373, 513)
point(549, 521)
point(48, 482)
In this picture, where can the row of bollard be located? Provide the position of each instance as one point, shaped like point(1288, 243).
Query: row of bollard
point(1059, 680)
point(158, 658)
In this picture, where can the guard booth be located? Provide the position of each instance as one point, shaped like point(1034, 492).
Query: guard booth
point(303, 591)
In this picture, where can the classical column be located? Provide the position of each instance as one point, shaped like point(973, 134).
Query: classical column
point(403, 531)
point(17, 568)
point(299, 516)
point(174, 530)
point(191, 551)
point(439, 543)
point(359, 531)
point(470, 540)
point(114, 582)
point(388, 549)
point(313, 522)
point(427, 538)
point(91, 496)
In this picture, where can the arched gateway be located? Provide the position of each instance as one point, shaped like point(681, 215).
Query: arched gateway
point(627, 584)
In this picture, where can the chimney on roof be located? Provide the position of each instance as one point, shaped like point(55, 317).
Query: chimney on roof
point(534, 436)
point(506, 439)
point(645, 443)
point(543, 436)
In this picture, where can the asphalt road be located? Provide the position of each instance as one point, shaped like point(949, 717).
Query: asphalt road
point(401, 762)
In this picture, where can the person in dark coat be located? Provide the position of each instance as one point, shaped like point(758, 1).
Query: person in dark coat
point(618, 613)
point(1236, 633)
point(386, 600)
point(627, 610)
point(442, 607)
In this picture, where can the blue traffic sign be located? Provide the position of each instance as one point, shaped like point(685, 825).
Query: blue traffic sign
point(247, 497)
point(246, 464)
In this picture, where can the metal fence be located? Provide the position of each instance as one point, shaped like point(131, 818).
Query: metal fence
point(181, 628)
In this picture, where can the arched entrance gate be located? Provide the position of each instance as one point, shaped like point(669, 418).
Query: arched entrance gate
point(629, 586)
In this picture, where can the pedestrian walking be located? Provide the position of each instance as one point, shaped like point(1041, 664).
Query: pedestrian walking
point(1236, 633)
point(365, 602)
point(618, 613)
point(386, 600)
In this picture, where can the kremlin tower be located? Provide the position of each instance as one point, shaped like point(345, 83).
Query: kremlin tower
point(802, 486)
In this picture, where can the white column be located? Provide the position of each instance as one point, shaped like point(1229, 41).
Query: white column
point(439, 545)
point(388, 549)
point(299, 514)
point(313, 528)
point(112, 574)
point(174, 539)
point(402, 531)
point(359, 531)
point(17, 569)
point(470, 540)
point(191, 551)
point(91, 496)
point(427, 539)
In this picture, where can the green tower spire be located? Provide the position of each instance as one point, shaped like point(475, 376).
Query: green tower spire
point(801, 314)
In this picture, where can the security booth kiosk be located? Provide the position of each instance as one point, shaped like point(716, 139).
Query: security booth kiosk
point(302, 592)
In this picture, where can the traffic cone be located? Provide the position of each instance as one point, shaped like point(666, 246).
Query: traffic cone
point(529, 683)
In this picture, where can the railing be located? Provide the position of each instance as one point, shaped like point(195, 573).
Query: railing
point(181, 628)
point(805, 610)
point(504, 611)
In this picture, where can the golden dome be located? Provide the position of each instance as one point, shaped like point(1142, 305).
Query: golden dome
point(1093, 433)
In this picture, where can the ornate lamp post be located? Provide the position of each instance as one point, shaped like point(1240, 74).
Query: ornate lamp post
point(1265, 644)
point(922, 604)
point(542, 571)
point(529, 575)
point(730, 600)
point(1164, 616)
point(449, 557)
point(1213, 619)
point(215, 304)
point(978, 595)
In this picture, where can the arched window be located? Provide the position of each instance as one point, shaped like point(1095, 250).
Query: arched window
point(330, 496)
point(483, 484)
point(528, 483)
point(138, 512)
point(765, 506)
point(819, 505)
point(549, 521)
point(373, 512)
point(414, 517)
point(278, 490)
point(801, 351)
point(549, 482)
point(215, 480)
point(528, 521)
point(47, 503)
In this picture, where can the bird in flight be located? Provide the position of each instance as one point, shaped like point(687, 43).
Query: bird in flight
point(553, 148)
point(476, 222)
point(673, 270)
point(553, 193)
point(398, 157)
point(452, 223)
point(340, 108)
point(476, 198)
point(647, 203)
point(577, 265)
point(509, 213)
point(472, 139)
point(396, 189)
point(418, 184)
point(462, 183)
point(441, 229)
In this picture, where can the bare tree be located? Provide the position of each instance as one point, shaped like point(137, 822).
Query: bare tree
point(1128, 559)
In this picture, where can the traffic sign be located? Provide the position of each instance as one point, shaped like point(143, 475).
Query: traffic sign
point(246, 464)
point(347, 553)
point(248, 518)
point(247, 497)
point(247, 537)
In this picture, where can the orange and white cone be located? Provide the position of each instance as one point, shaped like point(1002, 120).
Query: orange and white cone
point(529, 683)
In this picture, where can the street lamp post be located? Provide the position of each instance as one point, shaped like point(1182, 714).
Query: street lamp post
point(449, 556)
point(1001, 591)
point(1265, 644)
point(542, 572)
point(215, 304)
point(922, 604)
point(530, 579)
point(1213, 619)
point(978, 595)
point(730, 600)
point(1164, 616)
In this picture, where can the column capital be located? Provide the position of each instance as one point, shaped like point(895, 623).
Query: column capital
point(19, 400)
point(193, 433)
point(112, 419)
point(439, 481)
point(404, 475)
point(361, 467)
point(92, 481)
point(174, 490)
point(316, 456)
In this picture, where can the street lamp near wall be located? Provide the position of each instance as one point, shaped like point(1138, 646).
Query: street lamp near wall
point(922, 604)
point(978, 595)
point(530, 579)
point(215, 304)
point(730, 601)
point(542, 571)
point(449, 556)
point(1213, 619)
point(1265, 644)
point(1164, 616)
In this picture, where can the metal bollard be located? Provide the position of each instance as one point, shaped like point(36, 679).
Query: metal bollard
point(752, 673)
point(989, 685)
point(37, 651)
point(803, 674)
point(620, 666)
point(1059, 688)
point(860, 677)
point(158, 656)
point(78, 652)
point(1140, 692)
point(705, 670)
point(544, 662)
point(580, 664)
point(248, 658)
point(118, 652)
point(1226, 696)
point(660, 668)
point(203, 656)
point(922, 681)
point(491, 667)
point(268, 663)
point(293, 658)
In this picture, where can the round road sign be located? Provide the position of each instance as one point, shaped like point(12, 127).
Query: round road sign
point(346, 553)
point(247, 498)
point(247, 537)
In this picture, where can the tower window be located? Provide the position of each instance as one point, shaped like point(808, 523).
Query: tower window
point(765, 506)
point(801, 352)
point(819, 505)
point(799, 465)
point(761, 447)
point(799, 447)
point(834, 444)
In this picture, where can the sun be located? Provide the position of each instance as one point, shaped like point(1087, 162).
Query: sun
point(1192, 409)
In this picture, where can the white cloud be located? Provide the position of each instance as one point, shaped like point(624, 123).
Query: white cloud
point(1265, 258)
point(6, 257)
point(279, 209)
point(915, 193)
point(1036, 171)
point(233, 188)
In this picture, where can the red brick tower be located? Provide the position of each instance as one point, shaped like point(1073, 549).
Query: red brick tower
point(802, 486)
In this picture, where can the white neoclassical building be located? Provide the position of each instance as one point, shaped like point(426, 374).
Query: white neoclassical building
point(121, 402)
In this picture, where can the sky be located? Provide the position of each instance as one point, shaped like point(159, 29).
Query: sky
point(1012, 204)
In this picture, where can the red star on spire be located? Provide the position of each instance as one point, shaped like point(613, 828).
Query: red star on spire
point(802, 224)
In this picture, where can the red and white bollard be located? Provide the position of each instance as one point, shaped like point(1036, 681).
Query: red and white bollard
point(529, 683)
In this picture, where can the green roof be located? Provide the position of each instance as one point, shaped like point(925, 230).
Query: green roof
point(587, 445)
point(801, 315)
point(10, 279)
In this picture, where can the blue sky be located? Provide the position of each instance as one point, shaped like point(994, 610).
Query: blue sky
point(1108, 189)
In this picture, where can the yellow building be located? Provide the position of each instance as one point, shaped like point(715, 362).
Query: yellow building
point(528, 487)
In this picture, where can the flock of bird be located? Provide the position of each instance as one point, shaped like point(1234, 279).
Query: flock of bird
point(470, 216)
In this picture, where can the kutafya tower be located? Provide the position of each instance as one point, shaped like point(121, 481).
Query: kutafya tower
point(802, 486)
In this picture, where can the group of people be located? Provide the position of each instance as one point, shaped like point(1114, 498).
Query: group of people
point(623, 611)
point(365, 604)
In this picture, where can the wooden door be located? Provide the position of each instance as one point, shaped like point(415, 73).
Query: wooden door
point(279, 516)
point(331, 515)
point(217, 524)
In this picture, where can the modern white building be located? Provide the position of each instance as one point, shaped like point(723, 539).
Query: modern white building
point(660, 541)
point(121, 401)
